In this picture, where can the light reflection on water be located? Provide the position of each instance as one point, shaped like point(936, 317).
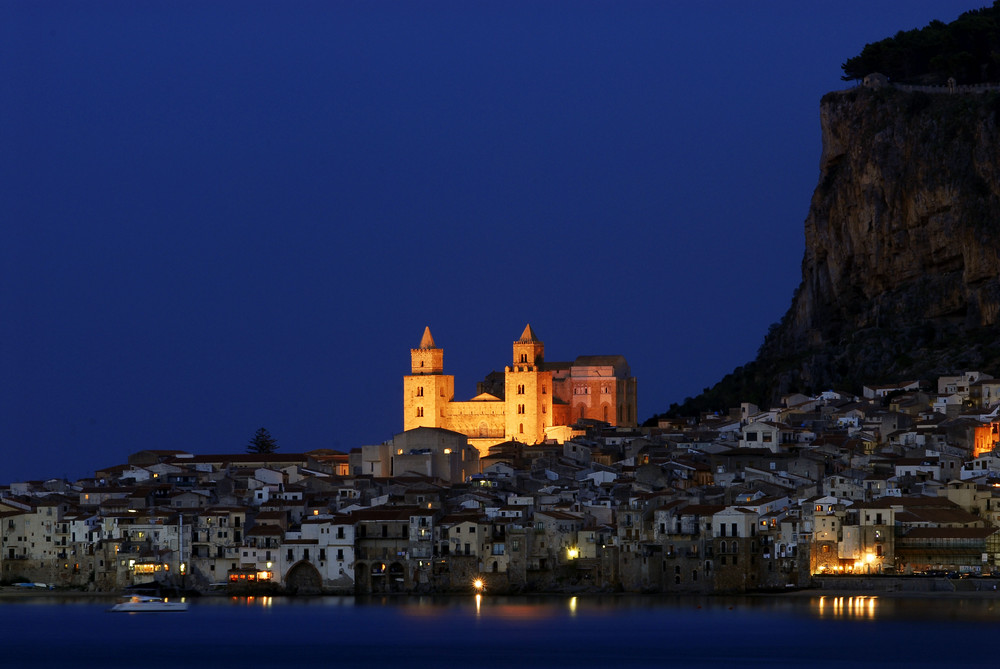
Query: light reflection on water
point(537, 608)
point(523, 632)
point(861, 607)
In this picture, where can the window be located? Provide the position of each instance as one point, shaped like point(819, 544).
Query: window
point(340, 554)
point(735, 532)
point(751, 436)
point(524, 357)
point(520, 428)
point(420, 391)
point(520, 389)
point(420, 412)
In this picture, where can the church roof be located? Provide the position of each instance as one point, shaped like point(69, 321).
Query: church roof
point(528, 335)
point(485, 397)
point(427, 341)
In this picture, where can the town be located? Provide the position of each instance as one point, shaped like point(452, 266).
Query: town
point(544, 482)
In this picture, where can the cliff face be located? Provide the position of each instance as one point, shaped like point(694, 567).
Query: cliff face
point(901, 273)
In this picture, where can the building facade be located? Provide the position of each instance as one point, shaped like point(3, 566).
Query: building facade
point(531, 401)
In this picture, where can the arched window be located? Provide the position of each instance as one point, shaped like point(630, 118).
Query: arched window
point(722, 547)
point(520, 428)
point(420, 391)
point(420, 412)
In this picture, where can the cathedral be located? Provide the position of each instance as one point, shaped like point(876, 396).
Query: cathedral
point(531, 401)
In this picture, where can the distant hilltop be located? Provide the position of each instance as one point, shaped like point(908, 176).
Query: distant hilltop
point(901, 271)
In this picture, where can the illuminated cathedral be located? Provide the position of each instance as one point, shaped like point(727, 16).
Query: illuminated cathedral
point(531, 401)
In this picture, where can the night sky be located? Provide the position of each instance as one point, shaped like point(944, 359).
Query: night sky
point(219, 216)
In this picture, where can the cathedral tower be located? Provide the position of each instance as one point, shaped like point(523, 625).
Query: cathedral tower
point(427, 389)
point(528, 391)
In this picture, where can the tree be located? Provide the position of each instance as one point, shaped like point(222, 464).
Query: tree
point(262, 442)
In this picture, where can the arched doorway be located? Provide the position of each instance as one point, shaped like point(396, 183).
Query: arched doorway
point(303, 579)
point(362, 579)
point(378, 577)
point(397, 577)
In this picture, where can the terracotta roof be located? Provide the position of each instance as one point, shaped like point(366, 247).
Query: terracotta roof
point(427, 341)
point(528, 335)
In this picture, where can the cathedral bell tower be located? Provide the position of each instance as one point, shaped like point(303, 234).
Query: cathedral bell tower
point(427, 389)
point(528, 391)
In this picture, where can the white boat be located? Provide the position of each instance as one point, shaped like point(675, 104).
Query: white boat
point(143, 604)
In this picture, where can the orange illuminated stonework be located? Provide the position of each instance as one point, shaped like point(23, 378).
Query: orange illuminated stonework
point(531, 401)
point(985, 439)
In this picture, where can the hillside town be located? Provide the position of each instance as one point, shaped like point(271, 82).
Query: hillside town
point(901, 480)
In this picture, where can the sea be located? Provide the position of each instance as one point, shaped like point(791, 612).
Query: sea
point(615, 632)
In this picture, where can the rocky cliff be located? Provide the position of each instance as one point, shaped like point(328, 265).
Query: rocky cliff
point(901, 273)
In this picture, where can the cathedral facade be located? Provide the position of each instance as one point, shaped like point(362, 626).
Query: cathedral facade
point(531, 401)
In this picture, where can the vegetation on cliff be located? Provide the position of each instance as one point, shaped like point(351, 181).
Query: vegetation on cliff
point(967, 49)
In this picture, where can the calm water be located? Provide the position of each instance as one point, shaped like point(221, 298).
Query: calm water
point(548, 632)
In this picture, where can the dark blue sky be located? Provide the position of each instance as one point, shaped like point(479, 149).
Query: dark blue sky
point(225, 215)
